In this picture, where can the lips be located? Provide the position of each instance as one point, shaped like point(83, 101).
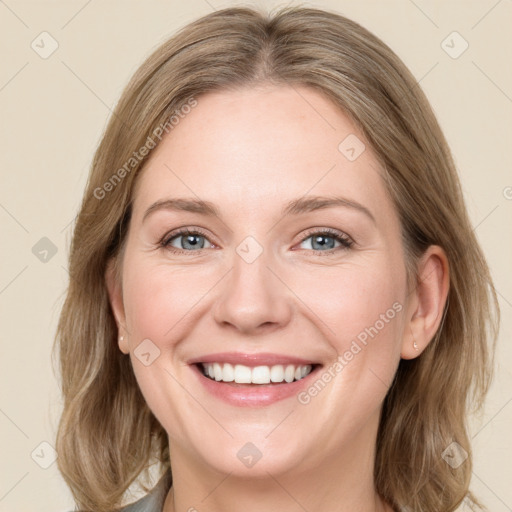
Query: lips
point(246, 359)
point(243, 379)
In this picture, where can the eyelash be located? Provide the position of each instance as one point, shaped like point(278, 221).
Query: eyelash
point(345, 241)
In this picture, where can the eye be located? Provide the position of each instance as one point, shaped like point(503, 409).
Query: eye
point(186, 240)
point(326, 240)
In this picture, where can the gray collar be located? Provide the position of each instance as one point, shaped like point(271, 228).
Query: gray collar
point(154, 501)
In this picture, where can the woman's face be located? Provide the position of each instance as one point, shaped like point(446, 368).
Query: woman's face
point(300, 268)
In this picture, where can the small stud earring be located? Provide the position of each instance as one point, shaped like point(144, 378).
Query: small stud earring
point(415, 345)
point(121, 338)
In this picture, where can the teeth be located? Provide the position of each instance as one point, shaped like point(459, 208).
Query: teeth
point(241, 374)
point(261, 375)
point(217, 371)
point(289, 373)
point(277, 373)
point(228, 373)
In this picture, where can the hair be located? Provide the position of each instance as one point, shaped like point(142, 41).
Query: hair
point(107, 434)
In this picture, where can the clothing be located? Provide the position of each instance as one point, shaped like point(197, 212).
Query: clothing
point(154, 501)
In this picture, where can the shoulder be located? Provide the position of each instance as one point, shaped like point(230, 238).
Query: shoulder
point(154, 500)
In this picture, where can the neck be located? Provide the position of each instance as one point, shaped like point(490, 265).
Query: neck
point(343, 482)
point(231, 494)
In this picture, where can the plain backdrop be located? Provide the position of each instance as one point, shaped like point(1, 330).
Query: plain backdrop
point(54, 109)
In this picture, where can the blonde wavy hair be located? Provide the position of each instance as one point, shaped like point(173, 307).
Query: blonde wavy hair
point(107, 435)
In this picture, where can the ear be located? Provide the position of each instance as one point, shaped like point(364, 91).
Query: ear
point(427, 302)
point(115, 295)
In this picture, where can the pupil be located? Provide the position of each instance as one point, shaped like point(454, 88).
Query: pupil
point(321, 240)
point(191, 241)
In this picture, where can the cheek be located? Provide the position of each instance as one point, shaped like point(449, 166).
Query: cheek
point(354, 300)
point(368, 312)
point(159, 298)
point(360, 307)
point(160, 303)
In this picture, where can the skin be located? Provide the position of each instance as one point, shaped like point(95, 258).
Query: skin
point(250, 152)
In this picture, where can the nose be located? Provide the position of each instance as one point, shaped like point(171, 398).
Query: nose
point(253, 298)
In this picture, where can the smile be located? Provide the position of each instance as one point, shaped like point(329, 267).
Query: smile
point(241, 374)
point(253, 380)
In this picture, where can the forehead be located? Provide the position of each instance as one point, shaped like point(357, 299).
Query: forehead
point(254, 148)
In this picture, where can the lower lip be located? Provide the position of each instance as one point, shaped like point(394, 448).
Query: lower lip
point(253, 395)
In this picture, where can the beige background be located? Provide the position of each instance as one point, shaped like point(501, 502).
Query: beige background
point(54, 110)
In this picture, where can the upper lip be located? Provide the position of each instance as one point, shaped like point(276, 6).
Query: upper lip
point(259, 359)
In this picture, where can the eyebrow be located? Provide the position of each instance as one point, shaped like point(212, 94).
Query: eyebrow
point(295, 207)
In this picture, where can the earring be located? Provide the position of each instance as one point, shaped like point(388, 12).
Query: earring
point(415, 345)
point(121, 338)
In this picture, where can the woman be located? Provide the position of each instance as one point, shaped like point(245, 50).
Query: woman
point(275, 288)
